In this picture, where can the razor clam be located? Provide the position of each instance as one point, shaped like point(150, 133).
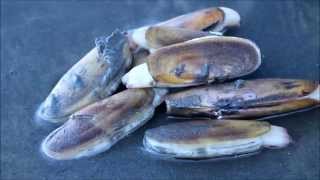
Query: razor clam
point(213, 139)
point(216, 19)
point(160, 36)
point(245, 98)
point(96, 76)
point(194, 62)
point(95, 128)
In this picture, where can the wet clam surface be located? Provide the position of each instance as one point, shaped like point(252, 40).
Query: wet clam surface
point(203, 60)
point(41, 41)
point(160, 36)
point(210, 139)
point(96, 76)
point(95, 128)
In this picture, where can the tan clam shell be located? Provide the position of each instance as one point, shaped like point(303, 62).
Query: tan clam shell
point(160, 36)
point(196, 20)
point(216, 19)
point(203, 60)
point(194, 62)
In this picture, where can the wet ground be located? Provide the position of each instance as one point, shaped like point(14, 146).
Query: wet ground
point(42, 40)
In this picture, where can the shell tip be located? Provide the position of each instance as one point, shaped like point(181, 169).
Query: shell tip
point(231, 18)
point(45, 151)
point(42, 118)
point(139, 36)
point(138, 77)
point(315, 94)
point(277, 137)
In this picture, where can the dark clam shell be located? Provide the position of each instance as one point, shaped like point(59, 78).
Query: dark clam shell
point(244, 98)
point(209, 139)
point(96, 76)
point(97, 127)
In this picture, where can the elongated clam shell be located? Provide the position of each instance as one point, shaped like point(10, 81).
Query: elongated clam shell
point(198, 61)
point(217, 19)
point(210, 139)
point(245, 98)
point(95, 128)
point(160, 36)
point(94, 77)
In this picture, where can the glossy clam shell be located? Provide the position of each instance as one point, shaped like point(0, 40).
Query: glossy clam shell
point(197, 20)
point(203, 60)
point(94, 77)
point(213, 139)
point(160, 36)
point(244, 98)
point(216, 19)
point(97, 127)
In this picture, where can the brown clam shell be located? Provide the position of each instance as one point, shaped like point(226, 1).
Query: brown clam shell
point(197, 20)
point(216, 19)
point(213, 139)
point(207, 131)
point(97, 127)
point(160, 36)
point(96, 76)
point(203, 60)
point(243, 98)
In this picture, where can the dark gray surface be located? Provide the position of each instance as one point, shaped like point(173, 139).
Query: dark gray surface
point(42, 40)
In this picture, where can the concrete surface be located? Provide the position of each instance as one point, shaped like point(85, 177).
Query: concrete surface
point(40, 40)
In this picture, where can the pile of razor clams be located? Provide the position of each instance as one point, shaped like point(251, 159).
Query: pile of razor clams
point(189, 54)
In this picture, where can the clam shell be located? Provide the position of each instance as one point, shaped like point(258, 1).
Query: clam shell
point(160, 36)
point(96, 76)
point(214, 19)
point(95, 128)
point(210, 139)
point(244, 98)
point(198, 61)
